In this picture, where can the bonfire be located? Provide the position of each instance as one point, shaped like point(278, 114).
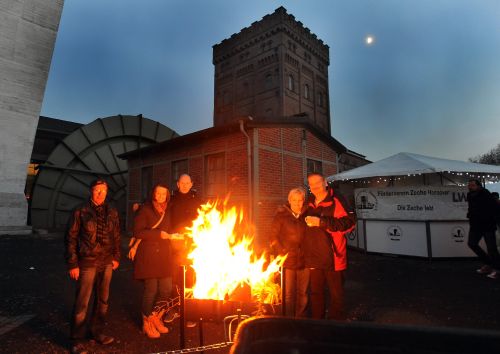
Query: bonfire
point(224, 260)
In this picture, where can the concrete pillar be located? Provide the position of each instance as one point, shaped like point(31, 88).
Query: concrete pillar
point(28, 30)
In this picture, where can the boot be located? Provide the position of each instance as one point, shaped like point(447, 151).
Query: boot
point(155, 318)
point(149, 328)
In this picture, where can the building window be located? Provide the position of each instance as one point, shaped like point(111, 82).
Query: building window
point(215, 175)
point(245, 88)
point(179, 167)
point(291, 83)
point(268, 81)
point(146, 182)
point(314, 166)
point(306, 91)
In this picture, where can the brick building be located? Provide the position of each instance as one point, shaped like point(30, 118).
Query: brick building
point(256, 162)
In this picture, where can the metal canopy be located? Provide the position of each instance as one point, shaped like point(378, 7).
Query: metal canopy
point(91, 151)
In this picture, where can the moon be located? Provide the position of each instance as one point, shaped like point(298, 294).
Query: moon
point(369, 40)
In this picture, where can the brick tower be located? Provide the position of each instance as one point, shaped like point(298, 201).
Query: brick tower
point(276, 68)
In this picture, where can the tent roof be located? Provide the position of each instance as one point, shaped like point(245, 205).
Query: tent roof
point(406, 163)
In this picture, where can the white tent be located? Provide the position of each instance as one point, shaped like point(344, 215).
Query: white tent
point(406, 163)
point(420, 210)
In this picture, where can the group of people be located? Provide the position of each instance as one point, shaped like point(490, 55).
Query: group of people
point(312, 234)
point(484, 218)
point(310, 231)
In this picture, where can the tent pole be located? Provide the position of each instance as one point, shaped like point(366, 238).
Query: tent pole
point(429, 239)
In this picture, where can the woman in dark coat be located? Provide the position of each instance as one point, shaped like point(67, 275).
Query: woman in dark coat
point(287, 236)
point(152, 261)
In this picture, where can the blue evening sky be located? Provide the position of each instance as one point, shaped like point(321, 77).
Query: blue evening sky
point(429, 84)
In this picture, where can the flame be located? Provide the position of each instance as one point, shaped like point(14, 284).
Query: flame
point(223, 259)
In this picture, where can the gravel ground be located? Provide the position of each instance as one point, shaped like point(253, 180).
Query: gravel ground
point(37, 296)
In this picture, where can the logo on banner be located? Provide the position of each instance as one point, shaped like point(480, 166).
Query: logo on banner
point(458, 234)
point(351, 235)
point(394, 232)
point(366, 201)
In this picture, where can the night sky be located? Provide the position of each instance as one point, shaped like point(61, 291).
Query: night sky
point(429, 83)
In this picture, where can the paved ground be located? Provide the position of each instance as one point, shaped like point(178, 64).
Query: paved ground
point(37, 297)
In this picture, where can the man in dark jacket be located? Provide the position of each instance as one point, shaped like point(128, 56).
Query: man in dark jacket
point(184, 205)
point(325, 247)
point(287, 237)
point(92, 253)
point(482, 223)
point(183, 211)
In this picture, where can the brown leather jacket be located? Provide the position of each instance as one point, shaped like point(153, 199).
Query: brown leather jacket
point(88, 245)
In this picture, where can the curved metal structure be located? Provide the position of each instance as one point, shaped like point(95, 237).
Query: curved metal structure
point(90, 152)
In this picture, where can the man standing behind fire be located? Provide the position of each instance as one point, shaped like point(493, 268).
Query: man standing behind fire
point(92, 253)
point(482, 223)
point(184, 207)
point(183, 211)
point(325, 250)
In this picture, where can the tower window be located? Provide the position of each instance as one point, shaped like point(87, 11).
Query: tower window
point(291, 83)
point(306, 91)
point(245, 89)
point(268, 81)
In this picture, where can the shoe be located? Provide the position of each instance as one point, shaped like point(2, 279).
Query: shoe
point(494, 275)
point(79, 348)
point(486, 269)
point(148, 328)
point(155, 319)
point(170, 316)
point(104, 339)
point(190, 324)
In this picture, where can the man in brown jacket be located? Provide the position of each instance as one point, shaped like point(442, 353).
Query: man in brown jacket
point(92, 253)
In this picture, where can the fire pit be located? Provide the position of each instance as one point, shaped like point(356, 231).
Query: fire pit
point(230, 278)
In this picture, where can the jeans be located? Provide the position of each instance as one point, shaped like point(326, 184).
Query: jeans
point(155, 290)
point(97, 281)
point(492, 258)
point(296, 282)
point(335, 283)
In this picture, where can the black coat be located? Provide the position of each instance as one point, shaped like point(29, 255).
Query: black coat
point(153, 258)
point(287, 236)
point(88, 245)
point(482, 209)
point(183, 210)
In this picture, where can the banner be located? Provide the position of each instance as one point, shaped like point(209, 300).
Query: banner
point(412, 203)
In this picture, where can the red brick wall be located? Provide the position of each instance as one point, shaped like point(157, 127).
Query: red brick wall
point(293, 168)
point(234, 146)
point(281, 166)
point(314, 147)
point(292, 139)
point(270, 137)
point(270, 173)
point(237, 173)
